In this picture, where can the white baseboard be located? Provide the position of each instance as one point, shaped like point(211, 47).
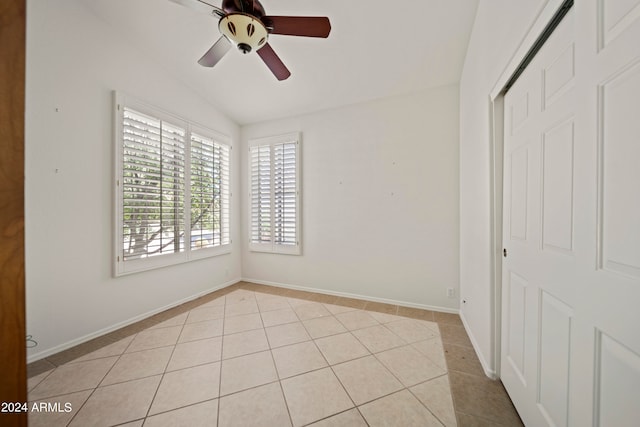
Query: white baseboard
point(64, 346)
point(349, 295)
point(85, 338)
point(486, 367)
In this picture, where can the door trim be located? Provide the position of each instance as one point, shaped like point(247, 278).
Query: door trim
point(530, 43)
point(13, 369)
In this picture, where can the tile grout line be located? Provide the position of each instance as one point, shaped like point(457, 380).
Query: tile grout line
point(275, 366)
point(332, 370)
point(453, 398)
point(303, 326)
point(155, 393)
point(439, 335)
point(181, 369)
point(224, 316)
point(49, 372)
point(98, 385)
point(407, 344)
point(362, 357)
point(261, 351)
point(336, 414)
point(204, 299)
point(263, 328)
point(425, 406)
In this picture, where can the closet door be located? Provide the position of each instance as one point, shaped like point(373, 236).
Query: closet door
point(571, 275)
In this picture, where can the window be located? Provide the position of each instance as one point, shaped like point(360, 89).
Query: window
point(275, 194)
point(172, 189)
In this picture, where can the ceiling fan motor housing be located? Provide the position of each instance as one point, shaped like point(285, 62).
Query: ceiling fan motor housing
point(245, 31)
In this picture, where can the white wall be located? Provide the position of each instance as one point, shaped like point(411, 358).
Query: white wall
point(379, 201)
point(499, 28)
point(74, 61)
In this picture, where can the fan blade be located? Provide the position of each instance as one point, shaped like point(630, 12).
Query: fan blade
point(274, 63)
point(215, 53)
point(202, 6)
point(306, 26)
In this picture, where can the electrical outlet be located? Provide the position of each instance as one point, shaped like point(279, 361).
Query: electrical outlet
point(451, 292)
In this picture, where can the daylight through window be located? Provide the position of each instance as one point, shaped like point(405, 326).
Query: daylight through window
point(275, 194)
point(172, 190)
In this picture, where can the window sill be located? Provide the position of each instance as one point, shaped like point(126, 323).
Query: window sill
point(124, 268)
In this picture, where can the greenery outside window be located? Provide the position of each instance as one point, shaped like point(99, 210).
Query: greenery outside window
point(172, 189)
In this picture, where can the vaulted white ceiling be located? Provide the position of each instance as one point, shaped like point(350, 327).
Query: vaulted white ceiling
point(376, 49)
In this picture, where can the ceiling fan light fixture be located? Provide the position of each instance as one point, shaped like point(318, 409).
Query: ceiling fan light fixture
point(245, 31)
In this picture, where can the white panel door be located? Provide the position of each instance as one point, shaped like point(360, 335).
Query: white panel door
point(571, 278)
point(539, 216)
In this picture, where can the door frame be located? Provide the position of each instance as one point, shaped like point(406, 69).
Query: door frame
point(13, 387)
point(537, 33)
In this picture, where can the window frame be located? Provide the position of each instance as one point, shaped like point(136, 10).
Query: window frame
point(272, 246)
point(121, 267)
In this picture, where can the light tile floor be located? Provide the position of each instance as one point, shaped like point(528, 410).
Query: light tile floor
point(250, 358)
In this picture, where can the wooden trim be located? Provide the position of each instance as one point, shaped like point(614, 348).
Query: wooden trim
point(13, 373)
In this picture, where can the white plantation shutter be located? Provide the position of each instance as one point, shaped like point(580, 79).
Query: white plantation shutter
point(152, 186)
point(285, 194)
point(275, 194)
point(221, 153)
point(172, 189)
point(261, 194)
point(209, 193)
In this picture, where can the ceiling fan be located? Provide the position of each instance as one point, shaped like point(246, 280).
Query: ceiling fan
point(245, 24)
